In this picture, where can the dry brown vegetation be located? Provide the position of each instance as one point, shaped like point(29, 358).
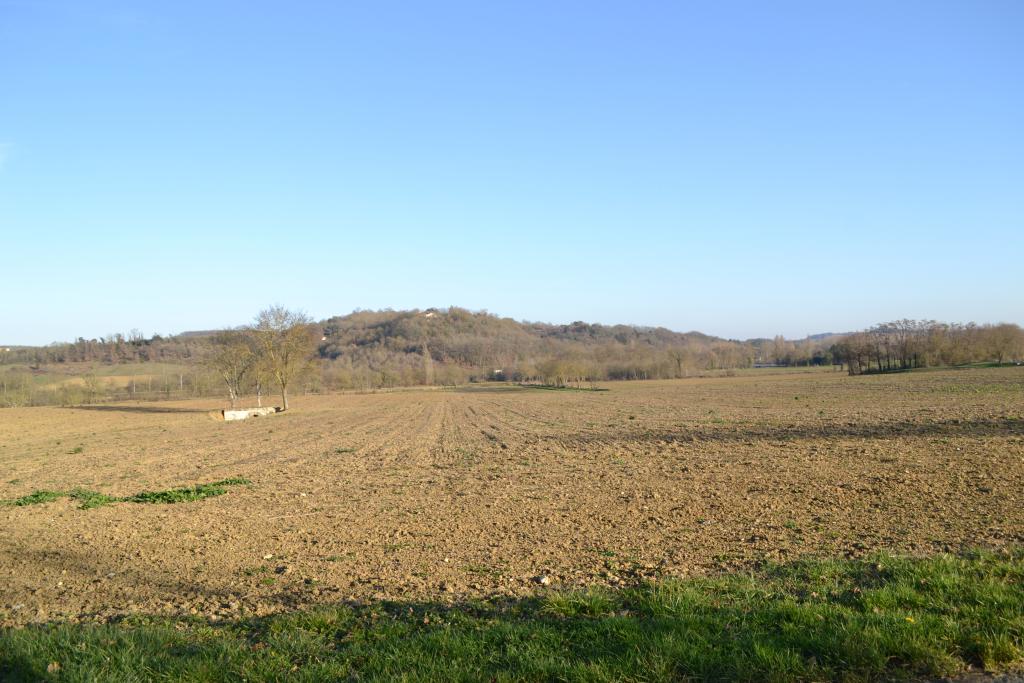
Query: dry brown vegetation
point(481, 491)
point(446, 347)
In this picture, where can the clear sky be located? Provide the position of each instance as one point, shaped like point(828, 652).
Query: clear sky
point(739, 168)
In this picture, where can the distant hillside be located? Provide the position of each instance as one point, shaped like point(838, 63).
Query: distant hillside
point(454, 344)
point(822, 336)
point(477, 342)
point(197, 333)
point(373, 349)
point(457, 333)
point(370, 349)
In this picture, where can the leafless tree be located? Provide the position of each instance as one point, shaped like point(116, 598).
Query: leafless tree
point(286, 341)
point(1005, 340)
point(231, 357)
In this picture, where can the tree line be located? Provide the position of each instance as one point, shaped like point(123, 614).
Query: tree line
point(112, 348)
point(908, 344)
point(368, 350)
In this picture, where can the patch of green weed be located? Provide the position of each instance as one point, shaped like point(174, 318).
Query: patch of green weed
point(36, 497)
point(92, 499)
point(185, 494)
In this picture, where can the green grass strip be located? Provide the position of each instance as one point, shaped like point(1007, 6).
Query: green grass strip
point(185, 493)
point(35, 498)
point(883, 618)
point(93, 499)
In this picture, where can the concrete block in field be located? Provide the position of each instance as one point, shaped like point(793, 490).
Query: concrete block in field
point(246, 414)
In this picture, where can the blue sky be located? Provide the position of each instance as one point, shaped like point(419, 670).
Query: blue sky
point(739, 168)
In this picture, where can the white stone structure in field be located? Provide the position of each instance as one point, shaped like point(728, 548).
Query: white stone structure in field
point(230, 415)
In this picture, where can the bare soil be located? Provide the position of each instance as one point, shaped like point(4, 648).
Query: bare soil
point(449, 494)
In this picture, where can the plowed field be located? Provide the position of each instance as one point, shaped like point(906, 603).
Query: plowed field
point(492, 490)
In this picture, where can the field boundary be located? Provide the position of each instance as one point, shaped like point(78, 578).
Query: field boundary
point(885, 616)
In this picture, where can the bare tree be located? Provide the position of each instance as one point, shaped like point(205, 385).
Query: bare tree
point(286, 341)
point(1005, 340)
point(93, 387)
point(231, 358)
point(261, 373)
point(681, 357)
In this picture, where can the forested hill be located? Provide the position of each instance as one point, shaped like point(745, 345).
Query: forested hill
point(371, 349)
point(386, 348)
point(459, 334)
point(455, 344)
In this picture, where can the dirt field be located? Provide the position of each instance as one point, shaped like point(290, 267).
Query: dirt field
point(476, 492)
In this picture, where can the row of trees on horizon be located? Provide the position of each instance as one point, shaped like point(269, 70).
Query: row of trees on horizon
point(909, 344)
point(369, 350)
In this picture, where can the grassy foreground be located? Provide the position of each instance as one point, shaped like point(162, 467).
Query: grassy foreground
point(885, 617)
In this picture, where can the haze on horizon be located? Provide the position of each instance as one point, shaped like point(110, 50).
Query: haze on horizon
point(737, 169)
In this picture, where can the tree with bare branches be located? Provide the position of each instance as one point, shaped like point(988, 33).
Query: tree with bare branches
point(1005, 340)
point(286, 341)
point(232, 356)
